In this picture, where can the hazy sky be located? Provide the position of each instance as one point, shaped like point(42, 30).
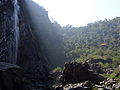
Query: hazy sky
point(80, 12)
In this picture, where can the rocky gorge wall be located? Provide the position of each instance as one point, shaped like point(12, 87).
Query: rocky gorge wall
point(8, 30)
point(17, 42)
point(47, 35)
point(28, 38)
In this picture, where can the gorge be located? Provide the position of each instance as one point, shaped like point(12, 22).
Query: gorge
point(34, 50)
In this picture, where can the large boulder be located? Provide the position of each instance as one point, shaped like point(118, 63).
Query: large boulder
point(77, 72)
point(11, 77)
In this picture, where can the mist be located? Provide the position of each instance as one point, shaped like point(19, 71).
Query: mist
point(46, 34)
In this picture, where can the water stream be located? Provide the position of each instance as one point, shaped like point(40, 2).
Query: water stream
point(16, 31)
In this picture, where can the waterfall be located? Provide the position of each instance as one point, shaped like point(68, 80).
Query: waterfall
point(16, 31)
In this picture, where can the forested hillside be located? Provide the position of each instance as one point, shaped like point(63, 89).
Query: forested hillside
point(98, 40)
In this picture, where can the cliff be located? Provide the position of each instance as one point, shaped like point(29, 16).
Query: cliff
point(28, 40)
point(47, 35)
point(17, 43)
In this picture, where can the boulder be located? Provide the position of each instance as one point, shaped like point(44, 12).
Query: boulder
point(11, 77)
point(77, 72)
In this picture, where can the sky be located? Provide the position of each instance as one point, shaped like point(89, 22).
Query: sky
point(80, 12)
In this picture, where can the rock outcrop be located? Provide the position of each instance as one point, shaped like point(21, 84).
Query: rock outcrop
point(76, 73)
point(98, 68)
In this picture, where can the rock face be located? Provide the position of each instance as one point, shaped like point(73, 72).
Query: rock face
point(30, 56)
point(76, 73)
point(8, 31)
point(33, 45)
point(45, 33)
point(28, 40)
point(18, 44)
point(11, 77)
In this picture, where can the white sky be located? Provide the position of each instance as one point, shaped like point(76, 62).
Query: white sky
point(80, 12)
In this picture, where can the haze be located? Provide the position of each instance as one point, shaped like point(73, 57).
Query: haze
point(80, 12)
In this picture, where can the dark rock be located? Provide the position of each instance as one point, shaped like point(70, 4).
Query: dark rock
point(56, 75)
point(97, 68)
point(76, 73)
point(86, 65)
point(11, 77)
point(117, 75)
point(7, 35)
point(41, 34)
point(30, 56)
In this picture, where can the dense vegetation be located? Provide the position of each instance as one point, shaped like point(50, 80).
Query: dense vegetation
point(97, 40)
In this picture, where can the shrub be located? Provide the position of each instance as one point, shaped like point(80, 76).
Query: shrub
point(58, 69)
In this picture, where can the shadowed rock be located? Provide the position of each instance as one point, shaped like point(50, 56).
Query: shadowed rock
point(11, 77)
point(76, 73)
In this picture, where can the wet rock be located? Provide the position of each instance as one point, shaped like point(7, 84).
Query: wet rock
point(7, 34)
point(76, 73)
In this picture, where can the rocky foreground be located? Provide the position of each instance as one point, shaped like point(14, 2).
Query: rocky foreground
point(13, 77)
point(75, 76)
point(78, 76)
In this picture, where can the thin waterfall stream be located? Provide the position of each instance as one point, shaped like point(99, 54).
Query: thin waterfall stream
point(16, 31)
